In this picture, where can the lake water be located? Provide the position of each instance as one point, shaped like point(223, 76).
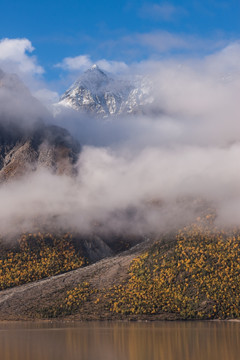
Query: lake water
point(120, 341)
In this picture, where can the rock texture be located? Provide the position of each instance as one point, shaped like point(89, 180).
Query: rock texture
point(45, 146)
point(104, 95)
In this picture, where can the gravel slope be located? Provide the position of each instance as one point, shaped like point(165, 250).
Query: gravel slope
point(22, 302)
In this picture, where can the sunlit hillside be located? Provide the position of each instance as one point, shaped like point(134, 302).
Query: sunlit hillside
point(193, 274)
point(37, 256)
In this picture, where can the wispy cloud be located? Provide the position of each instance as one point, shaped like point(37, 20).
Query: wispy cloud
point(164, 11)
point(163, 41)
point(160, 42)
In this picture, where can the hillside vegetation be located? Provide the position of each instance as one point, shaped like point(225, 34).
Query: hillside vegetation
point(196, 276)
point(191, 275)
point(37, 256)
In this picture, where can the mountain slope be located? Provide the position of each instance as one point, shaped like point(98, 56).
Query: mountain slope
point(193, 274)
point(25, 301)
point(98, 93)
point(45, 146)
point(26, 142)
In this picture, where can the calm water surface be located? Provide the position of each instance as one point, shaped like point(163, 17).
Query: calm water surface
point(120, 341)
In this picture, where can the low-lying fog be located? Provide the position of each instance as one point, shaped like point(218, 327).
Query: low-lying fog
point(142, 173)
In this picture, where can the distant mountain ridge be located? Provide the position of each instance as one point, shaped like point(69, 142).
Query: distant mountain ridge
point(98, 93)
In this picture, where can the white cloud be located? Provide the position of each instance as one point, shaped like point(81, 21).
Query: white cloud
point(189, 154)
point(47, 97)
point(226, 60)
point(81, 62)
point(112, 66)
point(14, 57)
point(84, 62)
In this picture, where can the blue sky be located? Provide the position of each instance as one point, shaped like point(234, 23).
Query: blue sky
point(126, 31)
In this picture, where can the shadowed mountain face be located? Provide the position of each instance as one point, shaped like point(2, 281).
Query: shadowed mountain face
point(26, 143)
point(49, 147)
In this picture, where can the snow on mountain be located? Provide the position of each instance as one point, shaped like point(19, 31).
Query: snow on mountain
point(98, 93)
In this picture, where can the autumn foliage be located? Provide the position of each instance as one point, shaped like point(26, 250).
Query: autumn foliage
point(195, 276)
point(38, 256)
point(71, 302)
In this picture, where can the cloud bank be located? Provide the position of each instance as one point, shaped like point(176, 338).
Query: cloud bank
point(151, 172)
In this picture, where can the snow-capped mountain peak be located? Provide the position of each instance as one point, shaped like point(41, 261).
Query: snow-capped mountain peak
point(102, 94)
